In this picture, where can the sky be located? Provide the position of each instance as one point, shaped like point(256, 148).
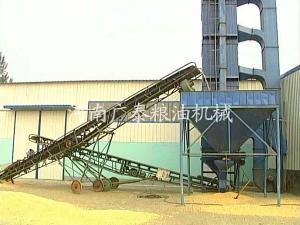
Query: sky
point(46, 40)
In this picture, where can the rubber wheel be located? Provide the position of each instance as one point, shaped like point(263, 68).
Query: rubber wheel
point(106, 185)
point(114, 182)
point(143, 174)
point(133, 172)
point(76, 187)
point(98, 186)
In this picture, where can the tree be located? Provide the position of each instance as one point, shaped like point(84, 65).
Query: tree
point(4, 78)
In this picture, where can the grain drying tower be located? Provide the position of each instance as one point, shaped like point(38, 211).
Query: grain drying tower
point(254, 114)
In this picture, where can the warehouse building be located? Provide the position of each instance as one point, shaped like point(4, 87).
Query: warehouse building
point(290, 88)
point(51, 109)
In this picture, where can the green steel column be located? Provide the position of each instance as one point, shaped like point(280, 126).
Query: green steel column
point(181, 160)
point(65, 131)
point(14, 137)
point(38, 145)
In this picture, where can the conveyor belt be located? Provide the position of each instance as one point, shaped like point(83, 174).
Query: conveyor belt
point(96, 129)
point(122, 166)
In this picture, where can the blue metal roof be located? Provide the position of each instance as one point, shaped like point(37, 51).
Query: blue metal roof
point(290, 72)
point(39, 107)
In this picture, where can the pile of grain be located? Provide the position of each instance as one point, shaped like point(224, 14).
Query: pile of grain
point(21, 208)
point(224, 203)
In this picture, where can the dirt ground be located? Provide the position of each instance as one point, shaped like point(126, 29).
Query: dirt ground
point(36, 202)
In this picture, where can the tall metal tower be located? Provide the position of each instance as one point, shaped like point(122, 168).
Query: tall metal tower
point(254, 113)
point(221, 35)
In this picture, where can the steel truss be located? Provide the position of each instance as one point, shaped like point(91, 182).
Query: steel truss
point(185, 147)
point(121, 166)
point(91, 162)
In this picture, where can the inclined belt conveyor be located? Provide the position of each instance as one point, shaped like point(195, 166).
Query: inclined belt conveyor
point(92, 131)
point(95, 159)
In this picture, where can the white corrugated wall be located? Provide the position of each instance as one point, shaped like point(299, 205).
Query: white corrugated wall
point(79, 93)
point(6, 124)
point(291, 115)
point(26, 123)
point(52, 126)
point(6, 136)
